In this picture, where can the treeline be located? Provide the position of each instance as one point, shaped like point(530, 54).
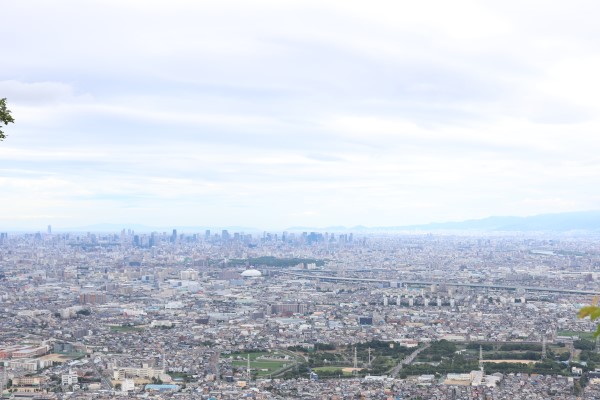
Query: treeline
point(324, 346)
point(317, 347)
point(338, 373)
point(250, 351)
point(591, 358)
point(584, 344)
point(381, 348)
point(545, 367)
point(527, 355)
point(383, 355)
point(505, 346)
point(521, 347)
point(438, 350)
point(484, 346)
point(323, 359)
point(458, 365)
point(298, 348)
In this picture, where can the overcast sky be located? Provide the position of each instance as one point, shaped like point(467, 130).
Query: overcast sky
point(277, 113)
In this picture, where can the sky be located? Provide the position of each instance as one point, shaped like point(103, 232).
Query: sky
point(272, 114)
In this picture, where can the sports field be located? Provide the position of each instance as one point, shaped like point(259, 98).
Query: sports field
point(264, 365)
point(582, 335)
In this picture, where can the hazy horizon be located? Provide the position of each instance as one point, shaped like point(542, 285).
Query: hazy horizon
point(586, 221)
point(278, 114)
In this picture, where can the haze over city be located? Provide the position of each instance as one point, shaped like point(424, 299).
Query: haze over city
point(277, 200)
point(277, 114)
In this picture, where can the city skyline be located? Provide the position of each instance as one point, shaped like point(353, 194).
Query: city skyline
point(583, 222)
point(275, 115)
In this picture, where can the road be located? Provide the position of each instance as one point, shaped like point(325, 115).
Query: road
point(213, 365)
point(407, 360)
point(295, 362)
point(104, 380)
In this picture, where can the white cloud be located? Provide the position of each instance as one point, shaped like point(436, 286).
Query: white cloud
point(274, 113)
point(37, 93)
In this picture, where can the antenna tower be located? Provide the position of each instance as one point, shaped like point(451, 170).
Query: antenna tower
point(544, 355)
point(481, 358)
point(2, 378)
point(248, 368)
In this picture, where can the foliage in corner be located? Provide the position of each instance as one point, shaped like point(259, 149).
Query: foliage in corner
point(5, 116)
point(593, 312)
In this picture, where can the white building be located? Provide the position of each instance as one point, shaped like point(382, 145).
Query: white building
point(189, 275)
point(251, 273)
point(69, 378)
point(144, 372)
point(26, 364)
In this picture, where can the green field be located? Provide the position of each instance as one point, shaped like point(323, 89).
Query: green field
point(582, 335)
point(260, 367)
point(331, 370)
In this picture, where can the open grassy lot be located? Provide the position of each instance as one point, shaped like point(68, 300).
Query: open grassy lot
point(263, 363)
point(332, 370)
point(582, 335)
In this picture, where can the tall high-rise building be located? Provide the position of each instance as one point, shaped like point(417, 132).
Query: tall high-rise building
point(153, 240)
point(49, 229)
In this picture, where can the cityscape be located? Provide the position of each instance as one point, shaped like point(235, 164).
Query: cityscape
point(275, 315)
point(316, 199)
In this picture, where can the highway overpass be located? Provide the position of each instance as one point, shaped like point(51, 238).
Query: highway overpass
point(447, 283)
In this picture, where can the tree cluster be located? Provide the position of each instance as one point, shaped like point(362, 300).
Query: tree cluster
point(5, 117)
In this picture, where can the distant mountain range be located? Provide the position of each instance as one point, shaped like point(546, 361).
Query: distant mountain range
point(572, 221)
point(561, 222)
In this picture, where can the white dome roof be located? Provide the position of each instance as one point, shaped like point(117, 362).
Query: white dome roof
point(251, 273)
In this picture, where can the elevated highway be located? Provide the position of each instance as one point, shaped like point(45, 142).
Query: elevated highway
point(333, 278)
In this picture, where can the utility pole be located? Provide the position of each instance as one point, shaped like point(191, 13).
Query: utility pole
point(2, 379)
point(481, 359)
point(544, 348)
point(248, 368)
